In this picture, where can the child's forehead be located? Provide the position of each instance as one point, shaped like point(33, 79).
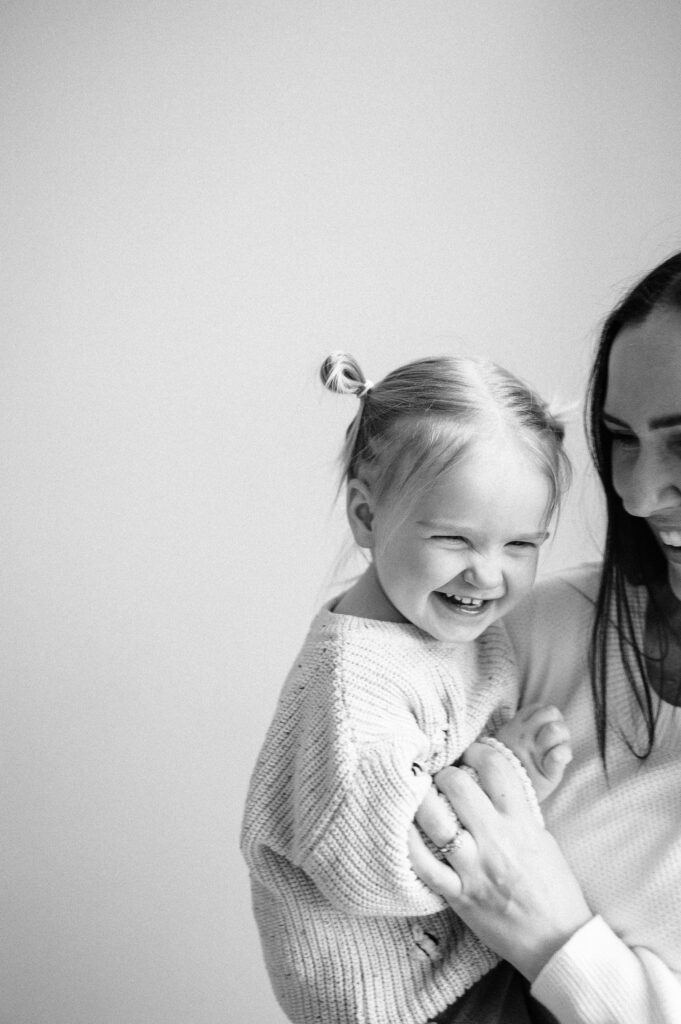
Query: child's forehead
point(434, 465)
point(497, 458)
point(485, 474)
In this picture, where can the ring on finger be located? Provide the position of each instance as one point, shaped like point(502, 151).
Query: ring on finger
point(454, 843)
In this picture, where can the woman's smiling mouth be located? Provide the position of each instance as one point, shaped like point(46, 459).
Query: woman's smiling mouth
point(672, 538)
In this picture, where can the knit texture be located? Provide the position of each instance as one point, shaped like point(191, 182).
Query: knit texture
point(350, 934)
point(621, 835)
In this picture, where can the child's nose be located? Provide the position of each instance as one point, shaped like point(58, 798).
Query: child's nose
point(483, 573)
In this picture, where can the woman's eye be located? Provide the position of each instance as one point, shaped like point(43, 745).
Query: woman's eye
point(623, 441)
point(450, 538)
point(529, 544)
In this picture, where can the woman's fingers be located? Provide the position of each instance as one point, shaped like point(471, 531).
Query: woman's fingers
point(437, 818)
point(467, 799)
point(500, 782)
point(433, 872)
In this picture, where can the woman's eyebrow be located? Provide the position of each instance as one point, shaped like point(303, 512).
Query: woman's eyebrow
point(656, 423)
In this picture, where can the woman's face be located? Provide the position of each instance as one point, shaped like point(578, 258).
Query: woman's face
point(642, 413)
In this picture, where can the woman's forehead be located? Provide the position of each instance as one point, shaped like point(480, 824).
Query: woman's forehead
point(644, 369)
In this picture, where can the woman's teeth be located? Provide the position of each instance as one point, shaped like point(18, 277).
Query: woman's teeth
point(671, 537)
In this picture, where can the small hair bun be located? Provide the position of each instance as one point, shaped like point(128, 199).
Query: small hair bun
point(340, 372)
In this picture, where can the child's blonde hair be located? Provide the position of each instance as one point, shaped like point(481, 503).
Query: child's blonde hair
point(419, 420)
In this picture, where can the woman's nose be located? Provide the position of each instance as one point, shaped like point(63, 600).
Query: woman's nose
point(648, 483)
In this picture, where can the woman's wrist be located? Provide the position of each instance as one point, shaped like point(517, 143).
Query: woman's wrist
point(532, 961)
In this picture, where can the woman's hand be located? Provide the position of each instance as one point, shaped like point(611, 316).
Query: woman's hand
point(508, 879)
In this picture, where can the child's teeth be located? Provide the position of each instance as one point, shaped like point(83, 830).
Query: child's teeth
point(671, 537)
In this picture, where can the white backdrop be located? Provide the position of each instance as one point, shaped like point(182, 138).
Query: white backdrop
point(199, 201)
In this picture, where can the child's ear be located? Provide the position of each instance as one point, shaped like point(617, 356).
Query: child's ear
point(360, 510)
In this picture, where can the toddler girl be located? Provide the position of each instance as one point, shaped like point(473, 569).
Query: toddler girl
point(453, 470)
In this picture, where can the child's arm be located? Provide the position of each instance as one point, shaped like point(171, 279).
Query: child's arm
point(360, 860)
point(357, 788)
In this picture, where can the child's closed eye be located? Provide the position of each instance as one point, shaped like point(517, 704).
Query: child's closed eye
point(528, 543)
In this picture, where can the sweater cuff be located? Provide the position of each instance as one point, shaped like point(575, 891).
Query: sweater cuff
point(593, 977)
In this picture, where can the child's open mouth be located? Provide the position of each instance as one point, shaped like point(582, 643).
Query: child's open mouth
point(469, 605)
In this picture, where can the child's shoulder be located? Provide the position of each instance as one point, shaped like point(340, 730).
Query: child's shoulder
point(356, 674)
point(344, 638)
point(357, 629)
point(356, 655)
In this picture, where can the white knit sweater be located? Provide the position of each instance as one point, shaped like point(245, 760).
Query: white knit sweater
point(350, 934)
point(623, 837)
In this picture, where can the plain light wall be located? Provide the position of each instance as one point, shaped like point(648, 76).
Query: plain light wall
point(199, 201)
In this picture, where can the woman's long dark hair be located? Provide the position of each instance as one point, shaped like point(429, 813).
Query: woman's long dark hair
point(631, 555)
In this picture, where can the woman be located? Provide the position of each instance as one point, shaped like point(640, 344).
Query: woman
point(590, 913)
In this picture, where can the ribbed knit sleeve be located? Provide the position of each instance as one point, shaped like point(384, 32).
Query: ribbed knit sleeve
point(596, 979)
point(359, 861)
point(357, 784)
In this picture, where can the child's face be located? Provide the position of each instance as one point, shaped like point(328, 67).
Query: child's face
point(467, 550)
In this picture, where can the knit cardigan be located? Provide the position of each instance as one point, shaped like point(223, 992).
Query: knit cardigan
point(368, 712)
